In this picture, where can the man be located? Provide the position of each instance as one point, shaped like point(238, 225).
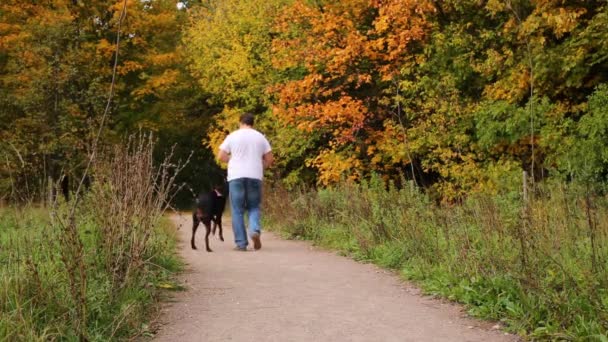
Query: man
point(247, 153)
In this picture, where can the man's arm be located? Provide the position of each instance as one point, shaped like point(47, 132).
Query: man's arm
point(267, 159)
point(223, 156)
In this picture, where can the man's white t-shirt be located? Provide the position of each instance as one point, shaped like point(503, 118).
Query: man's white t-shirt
point(246, 147)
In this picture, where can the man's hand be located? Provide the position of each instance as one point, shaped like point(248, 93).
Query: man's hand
point(267, 159)
point(223, 156)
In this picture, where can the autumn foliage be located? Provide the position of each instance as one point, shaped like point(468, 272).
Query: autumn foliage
point(56, 60)
point(458, 96)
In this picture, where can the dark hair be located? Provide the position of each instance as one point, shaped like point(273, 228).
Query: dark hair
point(247, 119)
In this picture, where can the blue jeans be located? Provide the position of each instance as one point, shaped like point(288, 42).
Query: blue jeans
point(245, 195)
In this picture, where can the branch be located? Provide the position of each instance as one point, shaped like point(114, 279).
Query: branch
point(18, 154)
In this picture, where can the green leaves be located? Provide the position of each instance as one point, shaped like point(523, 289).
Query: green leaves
point(503, 123)
point(587, 159)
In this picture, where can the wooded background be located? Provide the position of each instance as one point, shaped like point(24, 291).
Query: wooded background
point(458, 96)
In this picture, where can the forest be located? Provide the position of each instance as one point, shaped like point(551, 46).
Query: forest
point(460, 97)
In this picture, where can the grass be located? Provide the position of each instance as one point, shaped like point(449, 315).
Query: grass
point(539, 266)
point(91, 269)
point(35, 300)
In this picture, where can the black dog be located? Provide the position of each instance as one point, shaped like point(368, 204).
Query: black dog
point(209, 207)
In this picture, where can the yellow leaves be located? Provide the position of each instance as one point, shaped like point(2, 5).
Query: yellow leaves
point(381, 25)
point(157, 84)
point(105, 49)
point(226, 122)
point(163, 20)
point(229, 47)
point(167, 79)
point(529, 26)
point(334, 166)
point(561, 20)
point(49, 16)
point(494, 60)
point(129, 66)
point(495, 6)
point(468, 177)
point(391, 147)
point(117, 6)
point(163, 59)
point(548, 16)
point(512, 87)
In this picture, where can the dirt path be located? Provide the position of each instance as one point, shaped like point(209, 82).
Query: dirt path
point(290, 291)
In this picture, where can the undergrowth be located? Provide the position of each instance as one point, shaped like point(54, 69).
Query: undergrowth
point(92, 268)
point(35, 299)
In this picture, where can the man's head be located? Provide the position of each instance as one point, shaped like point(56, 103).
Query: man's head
point(247, 119)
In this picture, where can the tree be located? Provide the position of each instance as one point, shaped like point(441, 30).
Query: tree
point(57, 60)
point(344, 57)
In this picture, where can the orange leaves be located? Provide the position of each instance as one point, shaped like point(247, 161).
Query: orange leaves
point(326, 38)
point(347, 50)
point(402, 85)
point(343, 43)
point(398, 25)
point(343, 118)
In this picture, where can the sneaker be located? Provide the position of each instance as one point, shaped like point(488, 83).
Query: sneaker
point(240, 249)
point(257, 242)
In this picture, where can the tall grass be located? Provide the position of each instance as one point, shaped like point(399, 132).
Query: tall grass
point(539, 265)
point(93, 275)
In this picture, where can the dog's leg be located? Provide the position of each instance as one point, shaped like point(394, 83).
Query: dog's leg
point(195, 223)
point(214, 226)
point(207, 224)
point(219, 224)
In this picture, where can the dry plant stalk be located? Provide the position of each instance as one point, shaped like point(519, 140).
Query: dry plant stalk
point(72, 256)
point(129, 196)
